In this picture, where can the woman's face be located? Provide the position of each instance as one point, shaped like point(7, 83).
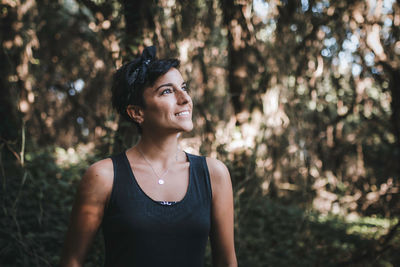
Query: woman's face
point(168, 104)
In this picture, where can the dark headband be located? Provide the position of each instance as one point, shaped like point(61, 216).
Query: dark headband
point(137, 70)
point(136, 73)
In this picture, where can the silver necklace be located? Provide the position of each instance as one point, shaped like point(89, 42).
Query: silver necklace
point(161, 181)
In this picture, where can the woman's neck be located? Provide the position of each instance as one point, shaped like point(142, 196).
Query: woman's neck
point(159, 148)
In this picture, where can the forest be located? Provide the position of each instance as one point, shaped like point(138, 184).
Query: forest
point(300, 99)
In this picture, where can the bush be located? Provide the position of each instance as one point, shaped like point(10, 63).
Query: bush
point(37, 200)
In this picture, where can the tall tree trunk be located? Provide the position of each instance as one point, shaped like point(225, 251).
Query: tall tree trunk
point(394, 87)
point(10, 121)
point(10, 117)
point(138, 21)
point(239, 41)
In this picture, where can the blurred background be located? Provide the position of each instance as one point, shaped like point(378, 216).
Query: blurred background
point(301, 100)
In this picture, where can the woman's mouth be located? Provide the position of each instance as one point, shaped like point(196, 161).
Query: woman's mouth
point(182, 113)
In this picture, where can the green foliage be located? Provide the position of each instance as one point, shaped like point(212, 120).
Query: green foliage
point(271, 234)
point(35, 209)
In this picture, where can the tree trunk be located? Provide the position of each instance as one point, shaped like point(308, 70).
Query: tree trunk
point(10, 119)
point(394, 87)
point(138, 21)
point(239, 41)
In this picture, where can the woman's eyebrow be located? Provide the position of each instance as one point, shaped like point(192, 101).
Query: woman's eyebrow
point(162, 85)
point(167, 84)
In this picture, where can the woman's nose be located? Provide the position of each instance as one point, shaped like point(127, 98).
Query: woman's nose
point(182, 97)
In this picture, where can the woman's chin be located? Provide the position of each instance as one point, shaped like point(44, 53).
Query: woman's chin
point(188, 127)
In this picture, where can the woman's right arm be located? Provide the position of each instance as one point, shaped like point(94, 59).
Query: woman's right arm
point(87, 212)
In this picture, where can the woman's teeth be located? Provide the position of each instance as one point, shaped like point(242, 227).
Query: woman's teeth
point(182, 113)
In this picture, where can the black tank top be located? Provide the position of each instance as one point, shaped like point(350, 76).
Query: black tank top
point(140, 232)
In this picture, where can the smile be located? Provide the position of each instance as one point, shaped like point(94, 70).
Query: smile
point(183, 113)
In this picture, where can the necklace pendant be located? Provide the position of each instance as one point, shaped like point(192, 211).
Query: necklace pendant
point(160, 181)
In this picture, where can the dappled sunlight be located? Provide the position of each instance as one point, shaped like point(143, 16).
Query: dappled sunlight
point(190, 145)
point(300, 99)
point(373, 41)
point(73, 155)
point(274, 115)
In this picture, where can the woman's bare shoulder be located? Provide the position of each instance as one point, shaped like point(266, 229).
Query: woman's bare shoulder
point(103, 169)
point(219, 174)
point(216, 167)
point(98, 178)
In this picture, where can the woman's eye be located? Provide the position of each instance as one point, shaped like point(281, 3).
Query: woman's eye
point(166, 91)
point(186, 88)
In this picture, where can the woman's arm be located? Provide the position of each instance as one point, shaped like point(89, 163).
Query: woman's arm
point(222, 230)
point(87, 212)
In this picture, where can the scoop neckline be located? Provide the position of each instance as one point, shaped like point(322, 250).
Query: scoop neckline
point(158, 201)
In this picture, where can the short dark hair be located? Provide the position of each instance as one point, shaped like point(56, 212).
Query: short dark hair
point(132, 78)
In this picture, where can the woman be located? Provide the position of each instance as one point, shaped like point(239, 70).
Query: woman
point(157, 204)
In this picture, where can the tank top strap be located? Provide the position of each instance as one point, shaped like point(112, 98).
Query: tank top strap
point(121, 181)
point(118, 162)
point(201, 175)
point(121, 169)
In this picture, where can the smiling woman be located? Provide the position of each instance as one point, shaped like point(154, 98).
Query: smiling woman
point(168, 106)
point(156, 204)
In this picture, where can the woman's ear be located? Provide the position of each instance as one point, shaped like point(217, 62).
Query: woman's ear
point(135, 112)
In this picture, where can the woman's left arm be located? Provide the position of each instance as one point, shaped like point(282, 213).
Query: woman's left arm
point(222, 229)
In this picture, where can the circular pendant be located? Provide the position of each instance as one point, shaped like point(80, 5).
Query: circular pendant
point(160, 181)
